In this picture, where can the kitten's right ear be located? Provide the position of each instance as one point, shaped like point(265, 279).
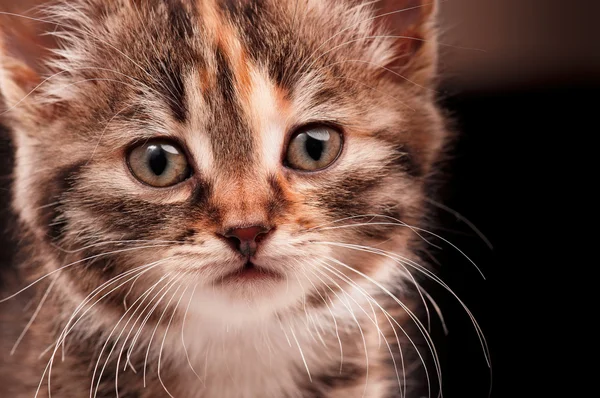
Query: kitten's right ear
point(412, 23)
point(24, 45)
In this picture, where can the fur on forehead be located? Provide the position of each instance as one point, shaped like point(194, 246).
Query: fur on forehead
point(393, 38)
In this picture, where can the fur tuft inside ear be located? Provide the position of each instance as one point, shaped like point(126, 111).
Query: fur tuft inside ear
point(23, 48)
point(411, 25)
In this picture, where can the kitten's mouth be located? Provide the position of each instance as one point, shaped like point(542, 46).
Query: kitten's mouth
point(251, 272)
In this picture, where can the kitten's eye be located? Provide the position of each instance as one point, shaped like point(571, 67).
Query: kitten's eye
point(314, 148)
point(159, 163)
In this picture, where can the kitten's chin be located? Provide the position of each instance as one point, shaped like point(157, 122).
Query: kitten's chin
point(248, 294)
point(250, 274)
point(251, 284)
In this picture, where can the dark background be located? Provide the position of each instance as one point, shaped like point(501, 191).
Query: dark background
point(522, 91)
point(525, 102)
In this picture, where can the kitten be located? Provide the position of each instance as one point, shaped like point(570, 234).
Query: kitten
point(219, 198)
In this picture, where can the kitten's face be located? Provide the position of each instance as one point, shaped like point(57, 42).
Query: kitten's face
point(236, 146)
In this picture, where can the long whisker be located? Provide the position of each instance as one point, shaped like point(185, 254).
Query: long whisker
point(65, 332)
point(187, 355)
point(301, 354)
point(435, 278)
point(305, 310)
point(114, 346)
point(413, 280)
point(114, 242)
point(392, 321)
point(335, 323)
point(137, 272)
point(162, 345)
point(419, 292)
point(428, 273)
point(34, 316)
point(362, 335)
point(315, 289)
point(283, 330)
point(463, 219)
point(437, 310)
point(147, 317)
point(156, 327)
point(148, 304)
point(95, 292)
point(360, 290)
point(400, 223)
point(133, 326)
point(414, 318)
point(75, 263)
point(374, 321)
point(140, 299)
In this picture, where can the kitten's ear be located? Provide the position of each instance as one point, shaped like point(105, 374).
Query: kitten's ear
point(412, 25)
point(23, 48)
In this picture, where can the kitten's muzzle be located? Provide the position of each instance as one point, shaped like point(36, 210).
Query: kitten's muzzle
point(246, 240)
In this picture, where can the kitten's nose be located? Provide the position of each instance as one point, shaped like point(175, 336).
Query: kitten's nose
point(245, 240)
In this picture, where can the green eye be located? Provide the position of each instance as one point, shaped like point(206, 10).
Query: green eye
point(314, 148)
point(159, 163)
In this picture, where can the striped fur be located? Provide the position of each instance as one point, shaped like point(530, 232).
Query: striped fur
point(230, 81)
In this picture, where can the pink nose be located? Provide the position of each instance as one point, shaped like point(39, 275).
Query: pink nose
point(245, 240)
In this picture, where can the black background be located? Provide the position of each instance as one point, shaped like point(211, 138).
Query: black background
point(517, 174)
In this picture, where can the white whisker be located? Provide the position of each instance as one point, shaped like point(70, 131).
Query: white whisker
point(68, 328)
point(417, 322)
point(34, 316)
point(156, 327)
point(301, 354)
point(374, 321)
point(140, 299)
point(187, 355)
point(435, 278)
point(115, 343)
point(162, 345)
point(72, 264)
point(463, 219)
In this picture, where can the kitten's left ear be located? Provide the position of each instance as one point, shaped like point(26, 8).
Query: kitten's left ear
point(412, 25)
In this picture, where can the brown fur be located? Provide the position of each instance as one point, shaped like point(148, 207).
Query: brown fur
point(230, 81)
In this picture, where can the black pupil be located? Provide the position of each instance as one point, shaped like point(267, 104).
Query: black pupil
point(314, 148)
point(157, 159)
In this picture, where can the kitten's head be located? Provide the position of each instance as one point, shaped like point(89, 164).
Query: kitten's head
point(258, 151)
